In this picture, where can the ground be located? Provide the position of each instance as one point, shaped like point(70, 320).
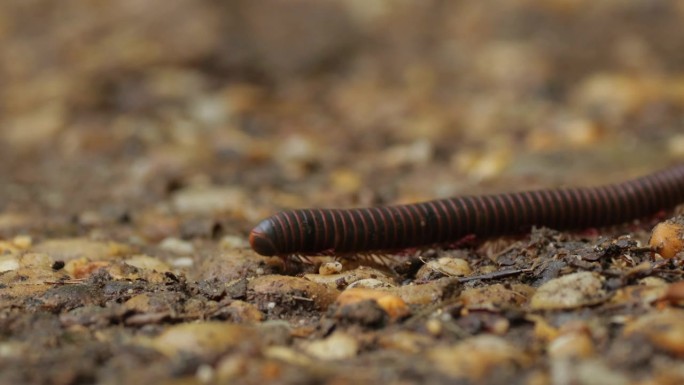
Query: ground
point(141, 141)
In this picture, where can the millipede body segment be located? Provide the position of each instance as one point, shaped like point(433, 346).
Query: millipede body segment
point(311, 231)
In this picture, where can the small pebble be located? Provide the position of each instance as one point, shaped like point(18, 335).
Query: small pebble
point(569, 291)
point(8, 263)
point(155, 226)
point(580, 132)
point(34, 269)
point(14, 221)
point(182, 262)
point(586, 372)
point(244, 312)
point(296, 148)
point(338, 346)
point(406, 341)
point(233, 242)
point(22, 241)
point(202, 338)
point(346, 181)
point(643, 295)
point(574, 344)
point(475, 357)
point(370, 283)
point(177, 246)
point(430, 292)
point(289, 355)
point(90, 219)
point(434, 326)
point(36, 260)
point(611, 95)
point(664, 329)
point(417, 152)
point(329, 268)
point(346, 278)
point(74, 248)
point(542, 329)
point(482, 165)
point(203, 200)
point(290, 292)
point(7, 248)
point(229, 265)
point(667, 238)
point(675, 145)
point(83, 267)
point(204, 373)
point(142, 261)
point(451, 267)
point(674, 292)
point(232, 367)
point(496, 296)
point(392, 304)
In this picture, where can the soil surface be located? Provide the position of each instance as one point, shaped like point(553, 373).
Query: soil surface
point(140, 141)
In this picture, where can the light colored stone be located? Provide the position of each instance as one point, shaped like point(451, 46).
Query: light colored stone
point(347, 278)
point(292, 289)
point(202, 338)
point(497, 296)
point(177, 246)
point(330, 268)
point(392, 304)
point(664, 329)
point(208, 200)
point(370, 283)
point(8, 263)
point(569, 291)
point(474, 357)
point(142, 261)
point(451, 267)
point(338, 346)
point(74, 248)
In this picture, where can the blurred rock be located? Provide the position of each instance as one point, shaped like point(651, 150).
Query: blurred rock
point(474, 358)
point(569, 291)
point(202, 338)
point(75, 248)
point(663, 329)
point(335, 347)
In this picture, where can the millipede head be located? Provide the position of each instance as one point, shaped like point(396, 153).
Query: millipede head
point(261, 239)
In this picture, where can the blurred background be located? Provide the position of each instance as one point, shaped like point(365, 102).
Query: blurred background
point(141, 111)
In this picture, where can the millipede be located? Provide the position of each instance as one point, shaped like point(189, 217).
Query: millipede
point(383, 228)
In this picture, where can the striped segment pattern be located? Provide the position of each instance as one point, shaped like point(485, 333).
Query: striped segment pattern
point(311, 231)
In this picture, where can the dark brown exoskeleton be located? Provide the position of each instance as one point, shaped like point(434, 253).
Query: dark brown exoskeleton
point(364, 230)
